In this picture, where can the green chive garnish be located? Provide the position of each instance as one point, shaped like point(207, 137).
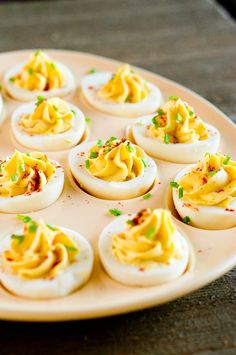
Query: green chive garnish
point(115, 212)
point(186, 220)
point(14, 177)
point(147, 196)
point(144, 163)
point(99, 143)
point(181, 192)
point(33, 227)
point(73, 111)
point(127, 99)
point(53, 65)
point(179, 118)
point(21, 167)
point(172, 97)
point(93, 155)
point(12, 79)
point(154, 121)
point(50, 227)
point(92, 71)
point(130, 148)
point(212, 172)
point(40, 100)
point(24, 219)
point(226, 160)
point(37, 52)
point(31, 71)
point(87, 164)
point(166, 138)
point(174, 184)
point(191, 113)
point(71, 248)
point(130, 222)
point(88, 120)
point(207, 155)
point(28, 154)
point(17, 237)
point(160, 112)
point(150, 233)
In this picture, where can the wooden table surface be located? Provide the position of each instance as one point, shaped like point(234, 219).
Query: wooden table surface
point(194, 43)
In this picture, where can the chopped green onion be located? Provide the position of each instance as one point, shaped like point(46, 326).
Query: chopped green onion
point(53, 65)
point(88, 120)
point(150, 233)
point(212, 172)
point(155, 122)
point(207, 155)
point(93, 155)
point(14, 177)
point(99, 143)
point(112, 139)
point(73, 111)
point(33, 227)
point(24, 219)
point(115, 212)
point(191, 113)
point(12, 79)
point(28, 154)
point(160, 112)
point(108, 150)
point(37, 52)
point(71, 248)
point(129, 147)
point(186, 220)
point(179, 118)
point(144, 163)
point(174, 98)
point(130, 222)
point(50, 227)
point(226, 160)
point(127, 99)
point(166, 138)
point(174, 184)
point(92, 71)
point(147, 196)
point(19, 238)
point(40, 100)
point(0, 168)
point(31, 71)
point(87, 164)
point(181, 192)
point(21, 167)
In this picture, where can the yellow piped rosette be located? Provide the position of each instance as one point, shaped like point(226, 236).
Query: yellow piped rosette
point(177, 122)
point(42, 251)
point(24, 173)
point(40, 73)
point(117, 160)
point(51, 116)
point(148, 239)
point(125, 86)
point(212, 182)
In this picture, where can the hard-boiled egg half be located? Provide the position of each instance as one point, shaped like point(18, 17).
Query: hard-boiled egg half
point(42, 261)
point(114, 169)
point(29, 182)
point(205, 194)
point(39, 76)
point(48, 125)
point(144, 249)
point(124, 93)
point(175, 133)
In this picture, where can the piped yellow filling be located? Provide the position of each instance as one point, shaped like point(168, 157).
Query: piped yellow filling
point(40, 73)
point(115, 160)
point(42, 251)
point(177, 122)
point(148, 239)
point(212, 182)
point(125, 86)
point(24, 173)
point(52, 116)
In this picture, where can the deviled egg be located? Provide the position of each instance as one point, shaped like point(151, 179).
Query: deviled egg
point(176, 133)
point(39, 76)
point(41, 261)
point(114, 169)
point(29, 182)
point(124, 93)
point(205, 194)
point(48, 125)
point(144, 249)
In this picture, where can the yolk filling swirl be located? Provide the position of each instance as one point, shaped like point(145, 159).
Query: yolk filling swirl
point(117, 160)
point(24, 173)
point(42, 251)
point(176, 122)
point(40, 73)
point(148, 239)
point(52, 116)
point(212, 182)
point(125, 86)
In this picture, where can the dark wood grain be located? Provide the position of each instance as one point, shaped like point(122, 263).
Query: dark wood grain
point(194, 43)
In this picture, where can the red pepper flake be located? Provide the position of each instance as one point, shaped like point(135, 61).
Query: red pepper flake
point(190, 206)
point(81, 165)
point(58, 166)
point(204, 179)
point(229, 210)
point(200, 251)
point(141, 269)
point(90, 87)
point(221, 190)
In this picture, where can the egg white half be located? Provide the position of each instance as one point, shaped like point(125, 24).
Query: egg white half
point(206, 217)
point(110, 190)
point(91, 83)
point(36, 200)
point(27, 95)
point(179, 152)
point(132, 275)
point(51, 142)
point(72, 278)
